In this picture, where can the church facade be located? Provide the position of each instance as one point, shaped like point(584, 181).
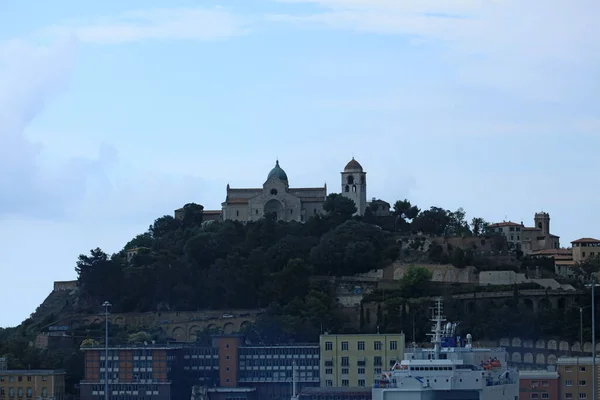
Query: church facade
point(287, 203)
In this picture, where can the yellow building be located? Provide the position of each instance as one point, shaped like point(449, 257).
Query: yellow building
point(576, 377)
point(32, 384)
point(585, 248)
point(358, 360)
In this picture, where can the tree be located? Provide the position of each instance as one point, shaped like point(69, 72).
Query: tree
point(588, 267)
point(339, 206)
point(480, 226)
point(405, 210)
point(415, 282)
point(457, 225)
point(434, 221)
point(193, 214)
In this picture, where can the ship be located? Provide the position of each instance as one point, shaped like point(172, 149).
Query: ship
point(453, 369)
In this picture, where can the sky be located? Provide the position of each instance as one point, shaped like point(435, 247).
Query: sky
point(115, 113)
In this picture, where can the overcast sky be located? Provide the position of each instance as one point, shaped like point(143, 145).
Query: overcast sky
point(114, 113)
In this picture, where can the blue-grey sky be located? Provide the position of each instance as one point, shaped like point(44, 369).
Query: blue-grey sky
point(116, 112)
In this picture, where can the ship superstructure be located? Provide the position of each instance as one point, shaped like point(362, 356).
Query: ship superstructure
point(452, 370)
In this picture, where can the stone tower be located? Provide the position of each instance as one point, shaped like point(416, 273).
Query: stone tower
point(542, 221)
point(354, 185)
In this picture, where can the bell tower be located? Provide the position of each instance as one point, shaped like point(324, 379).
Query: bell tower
point(354, 185)
point(542, 221)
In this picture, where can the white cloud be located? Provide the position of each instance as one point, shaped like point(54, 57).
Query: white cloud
point(529, 47)
point(168, 23)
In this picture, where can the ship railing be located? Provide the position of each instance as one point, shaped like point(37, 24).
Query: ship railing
point(389, 385)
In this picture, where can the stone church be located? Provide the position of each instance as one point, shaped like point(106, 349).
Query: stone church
point(288, 203)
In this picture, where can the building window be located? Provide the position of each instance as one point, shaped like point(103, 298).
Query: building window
point(569, 369)
point(227, 357)
point(354, 188)
point(581, 369)
point(20, 378)
point(237, 213)
point(227, 380)
point(534, 395)
point(568, 383)
point(20, 392)
point(345, 361)
point(377, 345)
point(328, 346)
point(393, 345)
point(329, 371)
point(361, 371)
point(361, 346)
point(582, 383)
point(11, 392)
point(44, 378)
point(377, 371)
point(29, 392)
point(344, 346)
point(582, 396)
point(227, 369)
point(28, 379)
point(347, 189)
point(329, 383)
point(568, 395)
point(345, 371)
point(227, 346)
point(545, 396)
point(361, 382)
point(377, 361)
point(2, 394)
point(345, 382)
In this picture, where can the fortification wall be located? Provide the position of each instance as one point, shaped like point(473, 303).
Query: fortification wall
point(64, 285)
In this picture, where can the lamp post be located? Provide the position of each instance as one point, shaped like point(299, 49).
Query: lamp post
point(106, 306)
point(595, 373)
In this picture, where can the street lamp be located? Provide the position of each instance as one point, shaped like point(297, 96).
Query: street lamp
point(106, 306)
point(595, 373)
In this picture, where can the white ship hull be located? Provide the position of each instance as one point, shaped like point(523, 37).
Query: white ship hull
point(498, 392)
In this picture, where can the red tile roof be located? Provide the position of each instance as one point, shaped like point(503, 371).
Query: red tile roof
point(586, 240)
point(505, 223)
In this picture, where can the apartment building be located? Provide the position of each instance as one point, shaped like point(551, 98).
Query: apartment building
point(539, 385)
point(576, 377)
point(133, 372)
point(358, 360)
point(32, 384)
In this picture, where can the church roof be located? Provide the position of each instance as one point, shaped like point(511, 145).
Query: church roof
point(353, 165)
point(277, 172)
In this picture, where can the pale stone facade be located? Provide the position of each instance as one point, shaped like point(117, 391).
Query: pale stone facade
point(529, 239)
point(289, 204)
point(354, 185)
point(276, 196)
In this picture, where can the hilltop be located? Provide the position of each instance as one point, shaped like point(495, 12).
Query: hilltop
point(286, 269)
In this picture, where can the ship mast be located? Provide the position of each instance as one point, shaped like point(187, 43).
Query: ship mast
point(436, 335)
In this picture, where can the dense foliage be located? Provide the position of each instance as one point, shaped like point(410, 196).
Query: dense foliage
point(191, 264)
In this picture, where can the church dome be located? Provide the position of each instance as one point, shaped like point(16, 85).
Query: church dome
point(353, 165)
point(277, 172)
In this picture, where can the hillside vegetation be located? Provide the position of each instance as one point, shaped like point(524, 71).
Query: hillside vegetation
point(191, 264)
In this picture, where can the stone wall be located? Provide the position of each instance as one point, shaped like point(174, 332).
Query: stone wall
point(501, 278)
point(439, 273)
point(65, 285)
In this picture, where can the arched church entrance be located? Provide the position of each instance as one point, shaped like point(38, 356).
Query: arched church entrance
point(274, 207)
